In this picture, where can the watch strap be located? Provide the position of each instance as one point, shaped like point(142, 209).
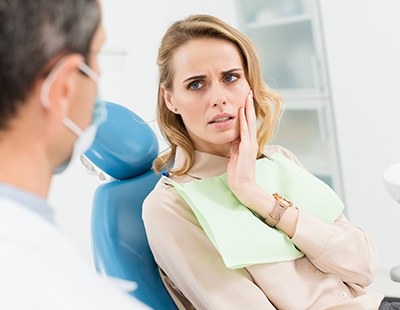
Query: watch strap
point(279, 208)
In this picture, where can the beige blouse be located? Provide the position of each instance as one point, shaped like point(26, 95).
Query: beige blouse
point(339, 257)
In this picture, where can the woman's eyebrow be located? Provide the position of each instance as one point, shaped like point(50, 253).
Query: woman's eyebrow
point(195, 77)
point(203, 76)
point(231, 71)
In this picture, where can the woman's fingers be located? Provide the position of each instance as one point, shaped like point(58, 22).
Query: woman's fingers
point(234, 151)
point(244, 130)
point(247, 127)
point(251, 117)
point(251, 121)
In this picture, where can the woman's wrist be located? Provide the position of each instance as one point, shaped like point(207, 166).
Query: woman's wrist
point(278, 210)
point(256, 199)
point(288, 222)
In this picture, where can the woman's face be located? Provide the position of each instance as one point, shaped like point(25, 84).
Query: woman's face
point(209, 87)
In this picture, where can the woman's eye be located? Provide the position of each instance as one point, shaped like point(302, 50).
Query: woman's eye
point(230, 78)
point(195, 85)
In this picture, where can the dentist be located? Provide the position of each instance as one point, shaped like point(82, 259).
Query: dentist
point(49, 111)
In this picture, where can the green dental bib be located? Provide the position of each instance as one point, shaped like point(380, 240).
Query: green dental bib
point(242, 238)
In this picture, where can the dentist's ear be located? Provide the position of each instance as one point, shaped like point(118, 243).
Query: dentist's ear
point(59, 86)
point(168, 99)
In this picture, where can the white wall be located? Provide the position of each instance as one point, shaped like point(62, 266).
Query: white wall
point(363, 49)
point(134, 28)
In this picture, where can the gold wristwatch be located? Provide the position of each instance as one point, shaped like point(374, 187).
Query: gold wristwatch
point(280, 206)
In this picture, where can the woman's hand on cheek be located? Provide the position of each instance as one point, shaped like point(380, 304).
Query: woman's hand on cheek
point(240, 172)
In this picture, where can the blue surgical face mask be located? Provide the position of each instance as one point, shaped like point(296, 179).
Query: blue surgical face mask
point(87, 136)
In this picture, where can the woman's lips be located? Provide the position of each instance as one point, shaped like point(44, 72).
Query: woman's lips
point(221, 117)
point(222, 121)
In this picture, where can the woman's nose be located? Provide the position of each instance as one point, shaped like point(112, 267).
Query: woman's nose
point(219, 100)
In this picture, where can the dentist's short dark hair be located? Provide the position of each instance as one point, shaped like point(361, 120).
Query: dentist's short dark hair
point(32, 33)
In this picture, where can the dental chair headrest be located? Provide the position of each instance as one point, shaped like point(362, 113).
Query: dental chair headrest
point(125, 146)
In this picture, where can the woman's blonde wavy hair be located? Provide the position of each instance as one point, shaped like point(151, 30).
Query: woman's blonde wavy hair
point(267, 103)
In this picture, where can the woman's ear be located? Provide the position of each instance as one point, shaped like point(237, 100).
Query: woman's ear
point(168, 100)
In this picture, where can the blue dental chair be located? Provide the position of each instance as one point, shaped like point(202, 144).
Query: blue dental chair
point(123, 150)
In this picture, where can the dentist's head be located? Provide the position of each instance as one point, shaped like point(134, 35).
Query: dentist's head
point(48, 85)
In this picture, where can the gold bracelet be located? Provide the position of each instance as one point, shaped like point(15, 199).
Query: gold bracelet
point(279, 208)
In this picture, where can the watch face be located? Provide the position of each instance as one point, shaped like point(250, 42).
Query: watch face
point(282, 202)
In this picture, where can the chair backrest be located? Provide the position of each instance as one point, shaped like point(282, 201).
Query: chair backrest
point(124, 148)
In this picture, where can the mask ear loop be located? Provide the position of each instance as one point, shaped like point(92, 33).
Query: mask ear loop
point(45, 100)
point(89, 72)
point(74, 127)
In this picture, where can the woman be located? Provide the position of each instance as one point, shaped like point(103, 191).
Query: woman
point(217, 115)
